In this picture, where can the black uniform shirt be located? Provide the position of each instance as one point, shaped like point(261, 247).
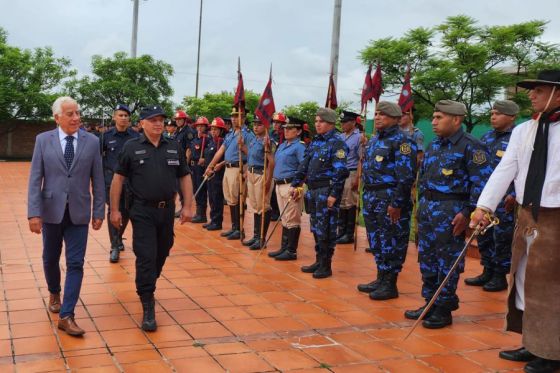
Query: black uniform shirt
point(152, 172)
point(111, 145)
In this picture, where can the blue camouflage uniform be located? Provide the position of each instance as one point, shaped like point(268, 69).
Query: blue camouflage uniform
point(215, 183)
point(112, 143)
point(388, 172)
point(323, 170)
point(197, 146)
point(495, 244)
point(452, 177)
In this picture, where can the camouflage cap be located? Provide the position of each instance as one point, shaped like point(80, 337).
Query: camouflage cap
point(451, 107)
point(506, 107)
point(327, 115)
point(389, 108)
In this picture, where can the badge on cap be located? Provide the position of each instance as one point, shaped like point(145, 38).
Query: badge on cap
point(379, 158)
point(197, 146)
point(446, 172)
point(405, 149)
point(479, 157)
point(340, 153)
point(500, 153)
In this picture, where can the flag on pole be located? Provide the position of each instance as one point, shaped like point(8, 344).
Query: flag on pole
point(406, 102)
point(367, 90)
point(377, 83)
point(266, 108)
point(239, 99)
point(331, 94)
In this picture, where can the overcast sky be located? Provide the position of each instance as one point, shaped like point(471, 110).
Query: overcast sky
point(293, 35)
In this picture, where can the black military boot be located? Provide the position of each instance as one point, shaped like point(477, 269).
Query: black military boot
point(232, 215)
point(115, 251)
point(350, 225)
point(415, 314)
point(440, 318)
point(481, 279)
point(236, 234)
point(371, 286)
point(540, 365)
point(259, 244)
point(293, 239)
point(387, 289)
point(114, 256)
point(341, 223)
point(312, 267)
point(283, 243)
point(324, 269)
point(206, 225)
point(149, 312)
point(256, 230)
point(498, 282)
point(120, 243)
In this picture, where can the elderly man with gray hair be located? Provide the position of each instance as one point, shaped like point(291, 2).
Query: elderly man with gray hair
point(66, 164)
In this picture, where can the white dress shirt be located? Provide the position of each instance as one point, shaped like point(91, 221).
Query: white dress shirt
point(62, 136)
point(515, 165)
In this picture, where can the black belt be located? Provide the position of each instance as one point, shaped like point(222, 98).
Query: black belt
point(318, 184)
point(372, 187)
point(156, 204)
point(233, 165)
point(439, 196)
point(256, 170)
point(352, 169)
point(283, 181)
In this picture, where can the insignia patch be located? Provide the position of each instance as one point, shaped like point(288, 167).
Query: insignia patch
point(479, 157)
point(500, 153)
point(197, 146)
point(112, 141)
point(143, 151)
point(173, 162)
point(379, 158)
point(405, 149)
point(446, 171)
point(172, 151)
point(340, 153)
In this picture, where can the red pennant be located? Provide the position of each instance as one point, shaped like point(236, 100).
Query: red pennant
point(367, 90)
point(266, 108)
point(377, 83)
point(406, 102)
point(239, 99)
point(331, 94)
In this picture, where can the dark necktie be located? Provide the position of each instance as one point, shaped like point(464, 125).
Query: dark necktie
point(69, 151)
point(537, 167)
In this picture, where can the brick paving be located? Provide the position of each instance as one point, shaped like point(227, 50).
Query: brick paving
point(216, 313)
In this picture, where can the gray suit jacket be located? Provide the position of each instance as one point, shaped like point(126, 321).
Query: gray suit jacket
point(52, 185)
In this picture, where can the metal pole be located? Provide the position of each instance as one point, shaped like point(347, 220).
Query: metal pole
point(198, 55)
point(134, 41)
point(335, 41)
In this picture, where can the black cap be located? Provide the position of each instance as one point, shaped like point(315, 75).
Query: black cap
point(170, 122)
point(347, 116)
point(293, 123)
point(122, 107)
point(151, 111)
point(545, 77)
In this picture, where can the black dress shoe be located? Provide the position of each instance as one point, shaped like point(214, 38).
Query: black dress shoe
point(540, 365)
point(114, 257)
point(234, 236)
point(439, 319)
point(521, 354)
point(227, 233)
point(213, 227)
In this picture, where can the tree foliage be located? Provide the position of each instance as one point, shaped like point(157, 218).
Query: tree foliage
point(305, 111)
point(213, 105)
point(119, 79)
point(463, 61)
point(29, 80)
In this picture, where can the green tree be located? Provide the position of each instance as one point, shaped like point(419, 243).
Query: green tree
point(29, 80)
point(213, 105)
point(132, 81)
point(463, 61)
point(305, 111)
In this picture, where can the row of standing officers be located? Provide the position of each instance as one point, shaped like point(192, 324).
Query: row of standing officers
point(452, 173)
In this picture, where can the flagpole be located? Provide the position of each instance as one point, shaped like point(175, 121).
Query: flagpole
point(359, 176)
point(240, 153)
point(266, 150)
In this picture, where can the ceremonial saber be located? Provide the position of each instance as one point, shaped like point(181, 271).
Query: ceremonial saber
point(479, 230)
point(271, 233)
point(206, 178)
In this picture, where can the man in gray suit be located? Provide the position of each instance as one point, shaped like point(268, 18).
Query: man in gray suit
point(66, 162)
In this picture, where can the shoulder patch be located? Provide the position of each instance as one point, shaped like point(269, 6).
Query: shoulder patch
point(479, 157)
point(340, 153)
point(405, 148)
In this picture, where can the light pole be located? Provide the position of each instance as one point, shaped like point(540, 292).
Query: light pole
point(335, 41)
point(134, 41)
point(198, 55)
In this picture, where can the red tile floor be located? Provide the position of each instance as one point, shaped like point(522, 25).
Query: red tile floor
point(216, 313)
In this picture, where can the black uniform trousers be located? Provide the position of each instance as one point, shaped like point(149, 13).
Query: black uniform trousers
point(123, 208)
point(152, 239)
point(197, 175)
point(216, 197)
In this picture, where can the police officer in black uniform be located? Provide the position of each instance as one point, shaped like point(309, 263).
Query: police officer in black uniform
point(112, 143)
point(152, 164)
